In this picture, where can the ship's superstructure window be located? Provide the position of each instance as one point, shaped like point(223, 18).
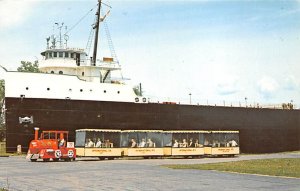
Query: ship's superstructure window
point(82, 73)
point(46, 55)
point(60, 72)
point(50, 54)
point(72, 55)
point(61, 54)
point(52, 72)
point(66, 55)
point(55, 54)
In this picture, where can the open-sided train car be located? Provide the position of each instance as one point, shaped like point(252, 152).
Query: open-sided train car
point(102, 143)
point(142, 143)
point(110, 143)
point(184, 143)
point(221, 143)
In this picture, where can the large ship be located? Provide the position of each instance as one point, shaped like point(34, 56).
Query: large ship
point(73, 91)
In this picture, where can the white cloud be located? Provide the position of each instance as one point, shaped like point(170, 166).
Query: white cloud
point(14, 12)
point(290, 83)
point(228, 86)
point(267, 86)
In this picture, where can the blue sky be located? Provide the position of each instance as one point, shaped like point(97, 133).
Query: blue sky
point(216, 50)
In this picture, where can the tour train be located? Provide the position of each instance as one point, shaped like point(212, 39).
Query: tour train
point(111, 143)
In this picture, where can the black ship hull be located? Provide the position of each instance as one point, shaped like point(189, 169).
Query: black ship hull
point(261, 130)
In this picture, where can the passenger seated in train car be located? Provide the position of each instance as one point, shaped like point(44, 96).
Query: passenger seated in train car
point(183, 144)
point(207, 142)
point(233, 143)
point(108, 144)
point(196, 144)
point(89, 143)
point(150, 143)
point(176, 144)
point(61, 143)
point(98, 143)
point(215, 143)
point(133, 143)
point(191, 142)
point(142, 143)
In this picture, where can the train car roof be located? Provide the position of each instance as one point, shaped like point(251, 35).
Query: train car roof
point(141, 131)
point(187, 131)
point(98, 130)
point(223, 131)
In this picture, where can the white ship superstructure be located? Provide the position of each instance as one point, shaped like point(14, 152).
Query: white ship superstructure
point(68, 73)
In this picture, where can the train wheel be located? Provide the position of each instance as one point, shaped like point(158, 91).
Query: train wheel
point(33, 160)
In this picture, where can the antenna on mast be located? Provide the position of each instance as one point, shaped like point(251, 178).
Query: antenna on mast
point(59, 26)
point(66, 37)
point(96, 34)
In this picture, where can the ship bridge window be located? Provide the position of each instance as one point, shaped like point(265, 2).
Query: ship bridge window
point(50, 54)
point(46, 55)
point(60, 72)
point(61, 54)
point(66, 55)
point(72, 55)
point(55, 54)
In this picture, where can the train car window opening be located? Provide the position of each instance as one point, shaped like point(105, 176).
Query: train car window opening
point(80, 139)
point(167, 139)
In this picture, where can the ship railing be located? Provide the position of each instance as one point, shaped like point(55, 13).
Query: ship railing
point(111, 65)
point(217, 103)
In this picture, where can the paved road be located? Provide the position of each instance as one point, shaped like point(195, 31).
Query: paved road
point(20, 174)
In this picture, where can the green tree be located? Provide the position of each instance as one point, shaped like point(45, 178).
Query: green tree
point(1, 90)
point(2, 125)
point(28, 67)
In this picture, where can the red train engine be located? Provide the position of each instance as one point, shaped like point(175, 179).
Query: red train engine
point(51, 145)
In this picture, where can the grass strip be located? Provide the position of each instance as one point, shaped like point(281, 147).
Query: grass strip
point(289, 167)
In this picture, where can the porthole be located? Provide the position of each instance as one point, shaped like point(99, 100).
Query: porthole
point(104, 91)
point(52, 72)
point(118, 92)
point(48, 89)
point(27, 88)
point(81, 90)
point(70, 90)
point(60, 72)
point(91, 90)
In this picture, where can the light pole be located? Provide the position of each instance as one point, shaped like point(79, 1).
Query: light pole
point(190, 94)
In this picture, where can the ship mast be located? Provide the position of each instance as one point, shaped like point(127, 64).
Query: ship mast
point(97, 25)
